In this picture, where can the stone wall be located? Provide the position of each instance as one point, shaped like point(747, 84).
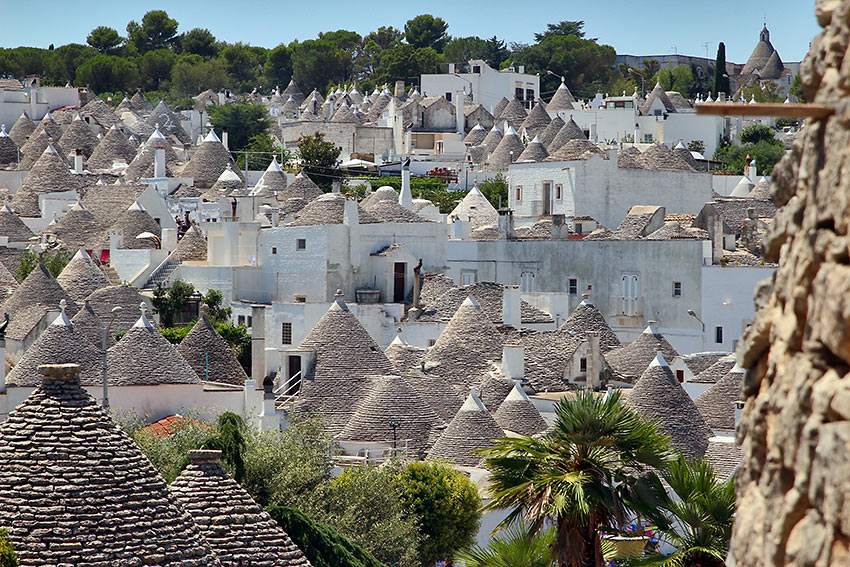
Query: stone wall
point(793, 486)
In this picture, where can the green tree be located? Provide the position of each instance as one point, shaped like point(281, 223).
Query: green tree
point(229, 439)
point(167, 302)
point(404, 61)
point(496, 190)
point(322, 545)
point(756, 133)
point(20, 62)
point(242, 122)
point(766, 153)
point(242, 65)
point(566, 27)
point(426, 31)
point(54, 260)
point(62, 67)
point(373, 45)
point(191, 75)
point(696, 519)
point(697, 146)
point(495, 52)
point(797, 89)
point(462, 49)
point(155, 67)
point(579, 475)
point(108, 73)
point(197, 41)
point(721, 79)
point(278, 68)
point(319, 159)
point(446, 504)
point(516, 547)
point(364, 504)
point(679, 79)
point(157, 31)
point(105, 40)
point(317, 63)
point(259, 152)
point(213, 299)
point(8, 557)
point(766, 92)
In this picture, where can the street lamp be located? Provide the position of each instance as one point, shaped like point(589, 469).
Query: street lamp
point(695, 316)
point(642, 91)
point(116, 311)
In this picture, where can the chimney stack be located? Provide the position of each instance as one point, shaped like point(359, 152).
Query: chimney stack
point(459, 114)
point(159, 162)
point(224, 139)
point(717, 237)
point(511, 306)
point(258, 345)
point(405, 198)
point(399, 89)
point(506, 224)
point(593, 360)
point(78, 161)
point(336, 187)
point(513, 363)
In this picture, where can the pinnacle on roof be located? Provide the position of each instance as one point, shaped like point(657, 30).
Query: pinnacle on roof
point(629, 361)
point(569, 131)
point(518, 414)
point(475, 208)
point(467, 346)
point(209, 162)
point(81, 277)
point(37, 294)
point(534, 151)
point(658, 395)
point(97, 471)
point(717, 404)
point(22, 129)
point(392, 410)
point(471, 429)
point(586, 317)
point(562, 99)
point(209, 355)
point(233, 524)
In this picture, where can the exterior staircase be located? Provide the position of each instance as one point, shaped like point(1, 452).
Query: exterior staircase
point(160, 275)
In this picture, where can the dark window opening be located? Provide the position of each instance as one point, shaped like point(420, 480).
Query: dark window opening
point(718, 335)
point(301, 244)
point(286, 333)
point(449, 97)
point(572, 285)
point(274, 249)
point(476, 69)
point(519, 92)
point(680, 375)
point(582, 365)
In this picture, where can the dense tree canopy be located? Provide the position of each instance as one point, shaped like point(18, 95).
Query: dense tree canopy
point(105, 40)
point(157, 31)
point(427, 31)
point(242, 122)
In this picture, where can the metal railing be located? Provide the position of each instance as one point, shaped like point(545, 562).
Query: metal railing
point(287, 392)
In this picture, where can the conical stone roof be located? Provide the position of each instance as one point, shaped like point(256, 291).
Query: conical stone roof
point(533, 152)
point(509, 149)
point(37, 294)
point(209, 161)
point(143, 164)
point(403, 356)
point(493, 390)
point(236, 528)
point(103, 300)
point(492, 139)
point(576, 150)
point(471, 429)
point(50, 174)
point(79, 136)
point(329, 208)
point(100, 112)
point(345, 355)
point(563, 99)
point(658, 395)
point(629, 157)
point(273, 179)
point(302, 187)
point(88, 325)
point(113, 147)
point(8, 148)
point(629, 361)
point(659, 156)
point(551, 130)
point(518, 414)
point(193, 246)
point(467, 346)
point(570, 131)
point(38, 142)
point(209, 355)
point(685, 155)
point(586, 317)
point(131, 223)
point(476, 136)
point(81, 277)
point(761, 54)
point(169, 123)
point(500, 107)
point(60, 343)
point(99, 495)
point(77, 229)
point(140, 103)
point(293, 91)
point(12, 226)
point(392, 411)
point(717, 404)
point(143, 357)
point(22, 129)
point(761, 190)
point(657, 93)
point(514, 113)
point(536, 121)
point(437, 393)
point(475, 208)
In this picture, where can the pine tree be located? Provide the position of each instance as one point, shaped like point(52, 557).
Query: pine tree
point(721, 82)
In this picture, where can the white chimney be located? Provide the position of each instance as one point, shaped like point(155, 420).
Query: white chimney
point(511, 306)
point(275, 217)
point(159, 162)
point(460, 118)
point(224, 139)
point(739, 408)
point(78, 161)
point(336, 186)
point(593, 360)
point(405, 198)
point(258, 345)
point(513, 364)
point(457, 229)
point(505, 228)
point(752, 169)
point(451, 68)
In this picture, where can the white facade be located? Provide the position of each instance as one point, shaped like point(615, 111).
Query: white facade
point(598, 188)
point(35, 101)
point(727, 303)
point(487, 86)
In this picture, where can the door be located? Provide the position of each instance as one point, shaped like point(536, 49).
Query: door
point(293, 384)
point(630, 294)
point(399, 269)
point(547, 199)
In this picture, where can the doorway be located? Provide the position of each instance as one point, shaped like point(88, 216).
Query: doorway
point(399, 272)
point(547, 199)
point(294, 367)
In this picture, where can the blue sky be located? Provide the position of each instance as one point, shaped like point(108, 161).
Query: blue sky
point(637, 27)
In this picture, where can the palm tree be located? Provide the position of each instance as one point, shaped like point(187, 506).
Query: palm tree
point(516, 548)
point(696, 518)
point(577, 476)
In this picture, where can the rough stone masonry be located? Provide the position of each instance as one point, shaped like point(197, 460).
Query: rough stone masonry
point(794, 486)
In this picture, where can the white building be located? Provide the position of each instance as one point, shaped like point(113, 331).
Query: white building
point(485, 85)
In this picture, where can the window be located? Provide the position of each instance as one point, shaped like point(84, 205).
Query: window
point(647, 138)
point(559, 192)
point(468, 277)
point(286, 333)
point(582, 365)
point(518, 192)
point(680, 375)
point(240, 320)
point(572, 286)
point(301, 244)
point(300, 299)
point(677, 289)
point(156, 220)
point(274, 249)
point(518, 92)
point(250, 321)
point(526, 282)
point(476, 69)
point(630, 294)
point(529, 94)
point(718, 335)
point(449, 97)
point(578, 228)
point(431, 342)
